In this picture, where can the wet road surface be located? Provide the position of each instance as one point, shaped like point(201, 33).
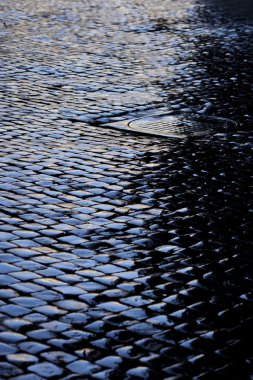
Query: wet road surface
point(123, 256)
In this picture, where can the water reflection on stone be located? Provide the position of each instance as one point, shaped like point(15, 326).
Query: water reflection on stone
point(123, 256)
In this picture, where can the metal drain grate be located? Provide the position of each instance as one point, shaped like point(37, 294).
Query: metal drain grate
point(172, 125)
point(180, 126)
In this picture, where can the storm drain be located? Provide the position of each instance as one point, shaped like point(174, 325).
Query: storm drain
point(176, 126)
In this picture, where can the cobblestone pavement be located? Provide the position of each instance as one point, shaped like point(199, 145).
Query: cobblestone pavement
point(123, 256)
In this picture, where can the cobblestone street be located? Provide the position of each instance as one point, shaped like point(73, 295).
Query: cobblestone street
point(123, 256)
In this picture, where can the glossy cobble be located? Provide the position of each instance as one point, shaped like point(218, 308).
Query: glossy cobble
point(123, 256)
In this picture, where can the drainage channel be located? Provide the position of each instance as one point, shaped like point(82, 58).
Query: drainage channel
point(172, 125)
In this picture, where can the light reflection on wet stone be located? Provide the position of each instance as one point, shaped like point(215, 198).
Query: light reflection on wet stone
point(122, 256)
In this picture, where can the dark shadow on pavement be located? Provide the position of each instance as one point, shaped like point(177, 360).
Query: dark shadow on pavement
point(236, 9)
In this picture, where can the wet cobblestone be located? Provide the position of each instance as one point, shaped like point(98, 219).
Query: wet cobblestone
point(123, 256)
